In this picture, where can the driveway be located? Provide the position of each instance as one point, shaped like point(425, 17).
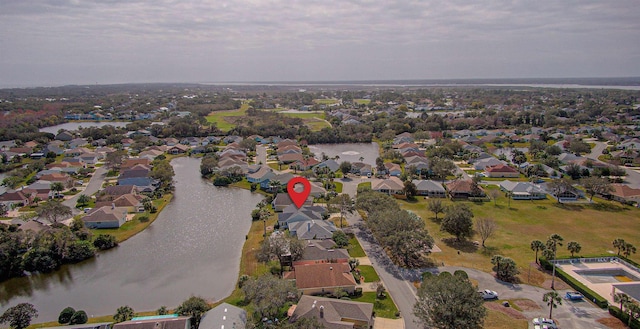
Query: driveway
point(350, 185)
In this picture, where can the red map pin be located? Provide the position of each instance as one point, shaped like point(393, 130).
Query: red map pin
point(298, 198)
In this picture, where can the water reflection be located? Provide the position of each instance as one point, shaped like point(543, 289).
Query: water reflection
point(193, 248)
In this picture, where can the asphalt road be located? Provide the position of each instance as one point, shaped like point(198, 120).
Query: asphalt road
point(95, 183)
point(261, 154)
point(633, 176)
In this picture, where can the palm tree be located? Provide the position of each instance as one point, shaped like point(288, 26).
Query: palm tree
point(537, 245)
point(574, 247)
point(619, 244)
point(621, 298)
point(633, 310)
point(553, 299)
point(552, 245)
point(628, 250)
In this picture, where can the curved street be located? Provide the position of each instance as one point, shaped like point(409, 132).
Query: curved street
point(95, 183)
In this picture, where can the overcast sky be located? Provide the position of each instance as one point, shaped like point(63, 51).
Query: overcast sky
point(57, 42)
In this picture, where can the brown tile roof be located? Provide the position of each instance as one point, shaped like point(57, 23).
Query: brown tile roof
point(624, 191)
point(333, 313)
point(105, 214)
point(130, 163)
point(501, 168)
point(125, 200)
point(324, 276)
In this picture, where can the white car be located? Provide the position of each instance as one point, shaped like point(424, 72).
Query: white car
point(488, 294)
point(544, 323)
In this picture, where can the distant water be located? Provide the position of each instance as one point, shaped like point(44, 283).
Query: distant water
point(70, 126)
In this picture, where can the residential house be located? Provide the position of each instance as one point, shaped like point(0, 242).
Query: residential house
point(390, 186)
point(322, 251)
point(12, 199)
point(312, 229)
point(317, 190)
point(288, 158)
point(500, 171)
point(624, 193)
point(429, 188)
point(323, 278)
point(464, 188)
point(178, 149)
point(65, 136)
point(99, 325)
point(224, 316)
point(106, 217)
point(39, 189)
point(523, 190)
point(110, 193)
point(327, 166)
point(487, 162)
point(421, 164)
point(334, 313)
point(131, 202)
point(262, 177)
point(132, 162)
point(393, 169)
point(362, 169)
point(282, 200)
point(304, 164)
point(156, 322)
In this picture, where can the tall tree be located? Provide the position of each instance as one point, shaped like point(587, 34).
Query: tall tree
point(553, 299)
point(442, 168)
point(19, 316)
point(559, 186)
point(621, 298)
point(458, 221)
point(552, 244)
point(83, 200)
point(57, 187)
point(53, 211)
point(485, 227)
point(574, 247)
point(537, 245)
point(194, 307)
point(435, 206)
point(447, 302)
point(494, 194)
point(281, 246)
point(410, 189)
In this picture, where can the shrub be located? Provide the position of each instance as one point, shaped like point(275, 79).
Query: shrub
point(426, 275)
point(105, 241)
point(461, 274)
point(79, 317)
point(623, 316)
point(65, 315)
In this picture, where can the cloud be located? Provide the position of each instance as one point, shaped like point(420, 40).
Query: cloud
point(378, 38)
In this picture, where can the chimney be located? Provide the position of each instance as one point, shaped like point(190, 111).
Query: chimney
point(113, 206)
point(321, 308)
point(308, 227)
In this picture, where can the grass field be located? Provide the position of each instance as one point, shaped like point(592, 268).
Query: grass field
point(369, 273)
point(384, 308)
point(324, 101)
point(355, 249)
point(359, 101)
point(338, 187)
point(593, 226)
point(219, 117)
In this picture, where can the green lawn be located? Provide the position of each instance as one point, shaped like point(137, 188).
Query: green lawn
point(355, 249)
point(593, 226)
point(369, 273)
point(364, 185)
point(218, 117)
point(384, 308)
point(326, 101)
point(338, 187)
point(306, 115)
point(362, 101)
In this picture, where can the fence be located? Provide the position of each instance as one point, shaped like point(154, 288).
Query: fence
point(611, 259)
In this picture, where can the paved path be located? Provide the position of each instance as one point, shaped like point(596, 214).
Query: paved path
point(350, 185)
point(261, 154)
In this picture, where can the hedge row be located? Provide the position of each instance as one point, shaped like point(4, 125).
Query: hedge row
point(624, 317)
point(575, 284)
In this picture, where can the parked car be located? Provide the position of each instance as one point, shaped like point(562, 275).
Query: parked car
point(574, 295)
point(488, 294)
point(544, 323)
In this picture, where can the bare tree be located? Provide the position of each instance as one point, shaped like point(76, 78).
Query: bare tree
point(485, 227)
point(494, 194)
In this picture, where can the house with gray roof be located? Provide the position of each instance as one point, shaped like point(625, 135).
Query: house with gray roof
point(156, 322)
point(322, 251)
point(224, 316)
point(429, 188)
point(523, 190)
point(106, 217)
point(312, 229)
point(334, 313)
point(482, 164)
point(328, 165)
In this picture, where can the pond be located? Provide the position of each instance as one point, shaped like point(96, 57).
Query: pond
point(193, 248)
point(348, 152)
point(85, 124)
